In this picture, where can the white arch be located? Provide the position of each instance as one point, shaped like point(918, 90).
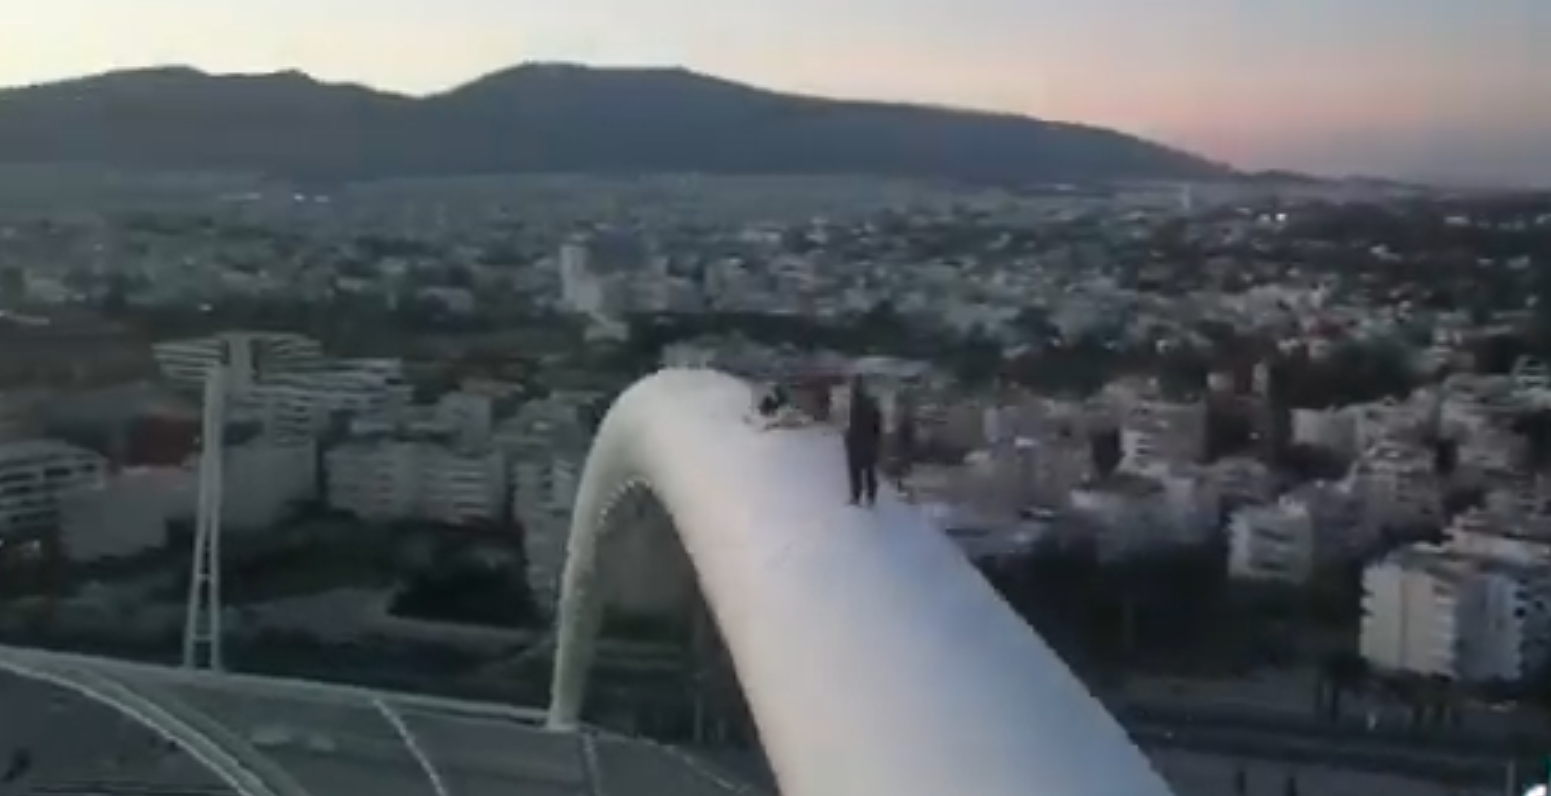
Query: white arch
point(875, 660)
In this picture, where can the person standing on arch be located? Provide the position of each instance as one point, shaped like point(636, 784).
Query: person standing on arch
point(863, 440)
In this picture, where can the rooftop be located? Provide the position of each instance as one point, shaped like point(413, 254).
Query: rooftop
point(92, 726)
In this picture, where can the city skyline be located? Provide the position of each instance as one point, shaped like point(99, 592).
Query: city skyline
point(1418, 89)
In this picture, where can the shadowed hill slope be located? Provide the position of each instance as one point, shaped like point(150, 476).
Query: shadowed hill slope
point(545, 118)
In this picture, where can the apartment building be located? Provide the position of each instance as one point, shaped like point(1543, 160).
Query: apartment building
point(126, 514)
point(263, 481)
point(35, 476)
point(386, 480)
point(1153, 432)
point(1123, 512)
point(1531, 375)
point(1329, 429)
point(1241, 480)
point(1292, 540)
point(1435, 611)
point(302, 405)
point(1383, 422)
point(547, 447)
point(248, 355)
point(1488, 456)
point(1192, 500)
point(1275, 543)
point(1398, 486)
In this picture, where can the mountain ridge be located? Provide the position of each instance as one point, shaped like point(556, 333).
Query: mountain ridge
point(547, 117)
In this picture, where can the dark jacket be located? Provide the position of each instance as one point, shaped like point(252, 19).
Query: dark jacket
point(864, 431)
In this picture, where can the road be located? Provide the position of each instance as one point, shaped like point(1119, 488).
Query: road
point(1441, 758)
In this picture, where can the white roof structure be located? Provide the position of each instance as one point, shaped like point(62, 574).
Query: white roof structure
point(875, 660)
point(91, 727)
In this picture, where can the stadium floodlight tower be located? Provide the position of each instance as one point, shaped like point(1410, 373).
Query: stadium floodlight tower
point(202, 627)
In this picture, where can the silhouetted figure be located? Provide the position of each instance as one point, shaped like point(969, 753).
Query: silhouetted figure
point(775, 398)
point(768, 406)
point(863, 439)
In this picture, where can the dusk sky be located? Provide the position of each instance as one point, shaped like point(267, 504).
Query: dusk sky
point(1420, 88)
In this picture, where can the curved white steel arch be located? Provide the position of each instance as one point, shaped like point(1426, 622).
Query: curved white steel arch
point(875, 660)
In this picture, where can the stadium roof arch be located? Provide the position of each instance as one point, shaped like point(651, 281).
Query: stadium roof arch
point(875, 660)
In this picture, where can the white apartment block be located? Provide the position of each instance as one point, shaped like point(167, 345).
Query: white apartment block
point(581, 291)
point(1487, 533)
point(262, 482)
point(129, 511)
point(303, 405)
point(1398, 486)
point(1471, 401)
point(391, 480)
point(1291, 540)
point(1376, 424)
point(1435, 611)
point(1124, 513)
point(249, 356)
point(1061, 464)
point(1193, 502)
point(1157, 432)
point(1241, 480)
point(1275, 543)
point(125, 515)
point(1329, 429)
point(1523, 499)
point(544, 486)
point(470, 416)
point(1531, 375)
point(1000, 480)
point(547, 447)
point(35, 476)
point(1488, 455)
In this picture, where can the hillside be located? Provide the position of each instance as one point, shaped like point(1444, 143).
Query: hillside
point(544, 118)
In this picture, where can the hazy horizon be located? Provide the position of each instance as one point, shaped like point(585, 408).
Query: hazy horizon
point(1429, 89)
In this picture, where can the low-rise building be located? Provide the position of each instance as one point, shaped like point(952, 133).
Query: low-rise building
point(35, 476)
point(1438, 612)
point(392, 479)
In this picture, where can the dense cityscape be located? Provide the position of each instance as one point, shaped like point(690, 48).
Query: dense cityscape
point(1263, 461)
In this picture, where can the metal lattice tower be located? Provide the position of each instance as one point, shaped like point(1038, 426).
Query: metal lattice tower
point(202, 628)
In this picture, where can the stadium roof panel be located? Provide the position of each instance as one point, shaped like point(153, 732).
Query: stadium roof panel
point(272, 737)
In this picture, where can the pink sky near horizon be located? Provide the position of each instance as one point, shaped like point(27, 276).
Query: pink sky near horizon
point(1396, 87)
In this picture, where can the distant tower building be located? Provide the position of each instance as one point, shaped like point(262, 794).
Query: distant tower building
point(1274, 424)
point(573, 270)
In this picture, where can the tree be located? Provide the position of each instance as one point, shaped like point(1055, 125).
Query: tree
point(467, 593)
point(1339, 674)
point(1535, 427)
point(1229, 428)
point(881, 321)
point(1106, 450)
point(978, 359)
